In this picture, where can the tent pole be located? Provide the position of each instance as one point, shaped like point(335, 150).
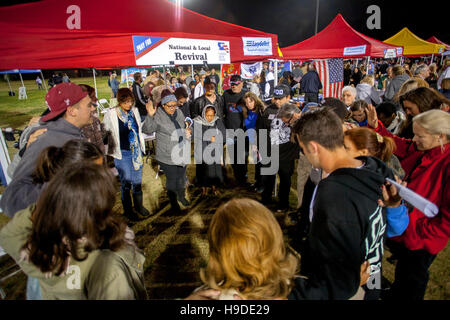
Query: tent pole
point(275, 66)
point(21, 80)
point(126, 75)
point(432, 56)
point(164, 75)
point(95, 81)
point(192, 71)
point(367, 65)
point(9, 84)
point(43, 80)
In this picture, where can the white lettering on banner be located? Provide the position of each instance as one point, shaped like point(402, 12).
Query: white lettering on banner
point(74, 281)
point(350, 51)
point(255, 46)
point(73, 21)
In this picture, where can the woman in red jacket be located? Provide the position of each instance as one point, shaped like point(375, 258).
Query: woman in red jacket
point(426, 161)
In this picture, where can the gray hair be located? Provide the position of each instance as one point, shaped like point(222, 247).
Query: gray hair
point(351, 89)
point(420, 68)
point(288, 110)
point(434, 122)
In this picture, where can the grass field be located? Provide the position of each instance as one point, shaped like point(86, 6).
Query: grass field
point(175, 246)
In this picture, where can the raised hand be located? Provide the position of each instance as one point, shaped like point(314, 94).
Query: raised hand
point(372, 118)
point(151, 110)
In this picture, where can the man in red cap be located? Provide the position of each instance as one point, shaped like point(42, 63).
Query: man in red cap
point(70, 110)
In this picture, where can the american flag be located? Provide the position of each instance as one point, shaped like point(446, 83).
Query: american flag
point(331, 74)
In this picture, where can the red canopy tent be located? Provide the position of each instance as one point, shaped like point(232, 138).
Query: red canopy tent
point(436, 40)
point(337, 40)
point(36, 35)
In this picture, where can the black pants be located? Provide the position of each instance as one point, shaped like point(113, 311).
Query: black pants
point(311, 97)
point(239, 170)
point(411, 274)
point(175, 177)
point(285, 172)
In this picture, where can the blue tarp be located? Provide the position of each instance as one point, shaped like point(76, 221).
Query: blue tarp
point(21, 71)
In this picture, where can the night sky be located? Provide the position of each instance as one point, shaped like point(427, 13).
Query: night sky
point(294, 20)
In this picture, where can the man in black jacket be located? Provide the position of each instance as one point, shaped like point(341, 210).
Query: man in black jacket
point(234, 119)
point(139, 96)
point(279, 137)
point(310, 85)
point(347, 224)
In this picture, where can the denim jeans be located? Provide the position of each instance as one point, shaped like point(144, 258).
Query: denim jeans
point(33, 289)
point(128, 176)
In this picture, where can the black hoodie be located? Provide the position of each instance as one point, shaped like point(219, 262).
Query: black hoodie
point(348, 228)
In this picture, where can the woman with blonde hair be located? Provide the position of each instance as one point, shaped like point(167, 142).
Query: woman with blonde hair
point(426, 161)
point(247, 254)
point(411, 84)
point(366, 91)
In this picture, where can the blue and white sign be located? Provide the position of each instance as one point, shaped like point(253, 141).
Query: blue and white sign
point(257, 46)
point(390, 53)
point(129, 74)
point(354, 51)
point(249, 70)
point(151, 51)
point(140, 43)
point(399, 51)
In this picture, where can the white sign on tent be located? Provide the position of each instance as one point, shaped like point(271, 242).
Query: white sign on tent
point(179, 51)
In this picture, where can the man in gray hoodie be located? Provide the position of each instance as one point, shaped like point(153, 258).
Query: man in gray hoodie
point(394, 86)
point(70, 110)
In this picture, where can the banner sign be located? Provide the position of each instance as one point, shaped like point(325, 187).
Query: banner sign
point(257, 46)
point(390, 53)
point(354, 51)
point(130, 74)
point(399, 51)
point(250, 70)
point(179, 51)
point(227, 71)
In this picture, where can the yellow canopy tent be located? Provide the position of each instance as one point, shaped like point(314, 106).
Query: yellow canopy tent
point(413, 45)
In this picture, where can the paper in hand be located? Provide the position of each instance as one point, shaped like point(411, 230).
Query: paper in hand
point(416, 200)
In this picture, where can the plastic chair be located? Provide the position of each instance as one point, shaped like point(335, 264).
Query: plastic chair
point(102, 106)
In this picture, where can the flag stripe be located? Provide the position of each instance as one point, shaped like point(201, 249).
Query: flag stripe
point(331, 74)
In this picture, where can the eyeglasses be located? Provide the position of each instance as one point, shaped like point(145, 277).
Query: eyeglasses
point(171, 106)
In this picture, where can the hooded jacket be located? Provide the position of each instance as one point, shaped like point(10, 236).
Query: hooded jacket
point(394, 86)
point(201, 126)
point(369, 94)
point(348, 228)
point(103, 275)
point(22, 191)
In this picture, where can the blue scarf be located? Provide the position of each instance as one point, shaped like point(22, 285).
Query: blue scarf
point(133, 138)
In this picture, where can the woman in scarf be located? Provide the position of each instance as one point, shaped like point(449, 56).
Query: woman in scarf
point(209, 133)
point(124, 122)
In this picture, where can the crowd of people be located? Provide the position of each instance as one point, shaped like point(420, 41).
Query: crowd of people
point(392, 124)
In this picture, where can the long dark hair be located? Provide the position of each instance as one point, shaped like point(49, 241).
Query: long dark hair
point(53, 158)
point(77, 204)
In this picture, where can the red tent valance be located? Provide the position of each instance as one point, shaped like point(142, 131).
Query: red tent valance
point(337, 40)
point(36, 35)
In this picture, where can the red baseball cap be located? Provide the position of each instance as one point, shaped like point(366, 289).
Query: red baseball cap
point(62, 96)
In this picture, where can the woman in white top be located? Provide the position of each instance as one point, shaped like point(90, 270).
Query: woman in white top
point(125, 124)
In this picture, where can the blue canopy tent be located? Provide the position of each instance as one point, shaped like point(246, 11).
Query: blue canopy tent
point(20, 71)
